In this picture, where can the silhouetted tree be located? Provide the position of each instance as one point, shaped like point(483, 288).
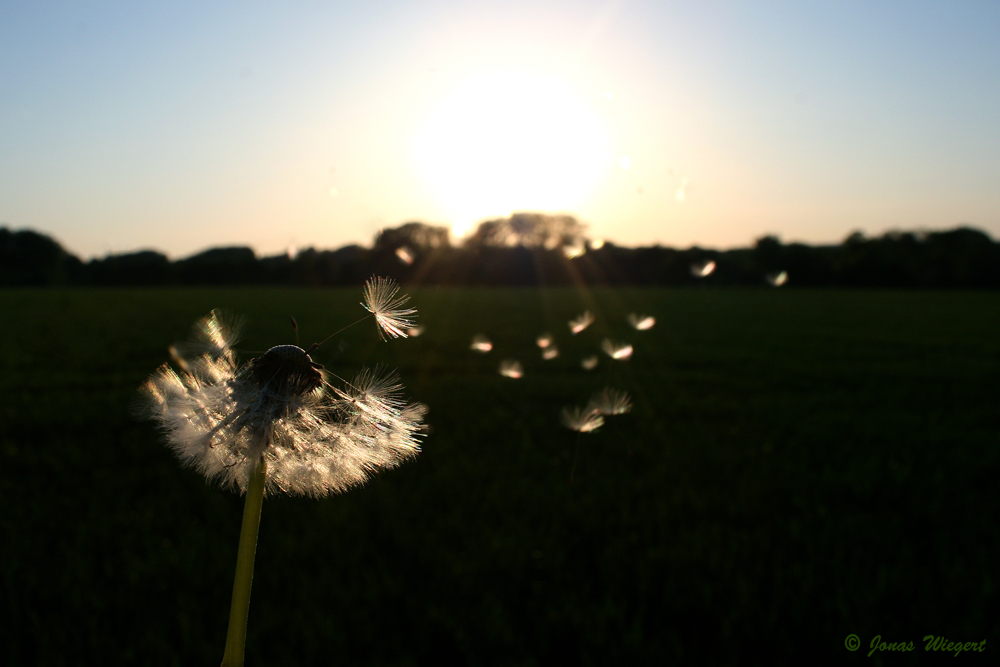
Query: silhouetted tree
point(30, 258)
point(146, 267)
point(530, 230)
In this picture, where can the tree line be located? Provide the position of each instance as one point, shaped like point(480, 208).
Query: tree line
point(529, 249)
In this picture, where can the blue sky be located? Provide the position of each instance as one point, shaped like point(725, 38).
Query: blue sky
point(178, 126)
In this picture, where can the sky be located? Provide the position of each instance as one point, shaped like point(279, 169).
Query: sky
point(179, 126)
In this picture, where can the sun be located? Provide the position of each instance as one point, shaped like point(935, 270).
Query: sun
point(511, 142)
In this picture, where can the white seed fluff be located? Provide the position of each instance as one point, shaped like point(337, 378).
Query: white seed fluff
point(221, 417)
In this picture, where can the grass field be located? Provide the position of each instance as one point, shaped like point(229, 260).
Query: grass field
point(799, 466)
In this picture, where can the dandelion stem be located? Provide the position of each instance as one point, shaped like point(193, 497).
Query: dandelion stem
point(237, 636)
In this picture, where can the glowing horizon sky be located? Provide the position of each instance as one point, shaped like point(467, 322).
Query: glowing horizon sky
point(182, 126)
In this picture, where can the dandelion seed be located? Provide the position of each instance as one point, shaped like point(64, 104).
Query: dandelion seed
point(777, 279)
point(405, 255)
point(481, 343)
point(641, 322)
point(574, 251)
point(413, 332)
point(544, 340)
point(382, 302)
point(700, 270)
point(581, 322)
point(511, 368)
point(589, 363)
point(550, 352)
point(620, 351)
point(610, 402)
point(583, 420)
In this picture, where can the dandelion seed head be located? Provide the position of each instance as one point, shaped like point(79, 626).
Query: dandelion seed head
point(381, 301)
point(581, 322)
point(221, 417)
point(583, 420)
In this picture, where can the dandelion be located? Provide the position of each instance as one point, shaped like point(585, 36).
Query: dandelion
point(581, 322)
point(620, 351)
point(511, 368)
point(544, 340)
point(700, 270)
point(777, 279)
point(583, 420)
point(610, 402)
point(550, 352)
point(481, 343)
point(277, 424)
point(641, 322)
point(382, 302)
point(589, 363)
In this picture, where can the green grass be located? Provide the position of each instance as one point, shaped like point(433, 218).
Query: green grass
point(799, 466)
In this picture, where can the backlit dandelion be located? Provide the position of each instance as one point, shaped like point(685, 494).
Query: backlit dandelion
point(589, 363)
point(277, 424)
point(481, 343)
point(511, 368)
point(551, 352)
point(581, 322)
point(382, 302)
point(616, 350)
point(641, 322)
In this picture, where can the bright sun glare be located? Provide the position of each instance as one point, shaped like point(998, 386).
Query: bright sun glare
point(509, 142)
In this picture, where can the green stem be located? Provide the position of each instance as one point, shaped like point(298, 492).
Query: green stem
point(236, 638)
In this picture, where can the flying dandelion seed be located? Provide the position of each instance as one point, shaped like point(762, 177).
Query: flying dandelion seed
point(544, 340)
point(481, 343)
point(777, 279)
point(620, 351)
point(550, 352)
point(703, 269)
point(382, 302)
point(610, 402)
point(589, 363)
point(581, 322)
point(511, 368)
point(413, 332)
point(574, 251)
point(582, 420)
point(405, 255)
point(641, 322)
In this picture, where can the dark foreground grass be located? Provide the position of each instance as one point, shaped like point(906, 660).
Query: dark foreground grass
point(799, 466)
